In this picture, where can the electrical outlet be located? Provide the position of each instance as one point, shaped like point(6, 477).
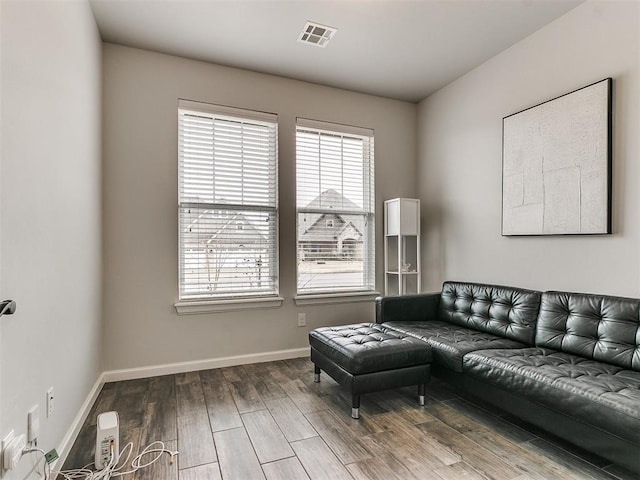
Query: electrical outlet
point(13, 452)
point(302, 319)
point(49, 402)
point(3, 445)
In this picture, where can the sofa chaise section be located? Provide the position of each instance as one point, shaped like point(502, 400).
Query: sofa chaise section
point(463, 318)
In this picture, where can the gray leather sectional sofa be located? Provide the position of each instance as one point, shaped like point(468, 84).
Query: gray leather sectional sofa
point(566, 362)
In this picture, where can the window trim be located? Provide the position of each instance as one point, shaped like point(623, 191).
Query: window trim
point(195, 307)
point(250, 300)
point(337, 296)
point(225, 111)
point(334, 127)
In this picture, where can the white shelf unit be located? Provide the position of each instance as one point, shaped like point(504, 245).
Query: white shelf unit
point(402, 246)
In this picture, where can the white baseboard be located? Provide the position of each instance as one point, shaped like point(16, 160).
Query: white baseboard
point(166, 369)
point(181, 367)
point(67, 442)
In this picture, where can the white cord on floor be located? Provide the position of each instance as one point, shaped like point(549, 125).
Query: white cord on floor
point(112, 470)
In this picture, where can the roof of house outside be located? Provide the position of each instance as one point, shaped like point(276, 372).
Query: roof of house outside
point(334, 200)
point(228, 228)
point(329, 199)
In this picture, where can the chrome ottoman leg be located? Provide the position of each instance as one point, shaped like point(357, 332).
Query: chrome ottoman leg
point(355, 406)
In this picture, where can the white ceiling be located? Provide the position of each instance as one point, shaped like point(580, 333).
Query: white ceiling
point(399, 49)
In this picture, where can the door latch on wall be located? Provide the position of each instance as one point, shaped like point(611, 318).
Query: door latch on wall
point(7, 307)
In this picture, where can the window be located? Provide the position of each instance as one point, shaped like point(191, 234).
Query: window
point(228, 194)
point(335, 208)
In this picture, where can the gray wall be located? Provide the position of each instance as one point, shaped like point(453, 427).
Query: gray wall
point(53, 184)
point(50, 236)
point(141, 90)
point(460, 155)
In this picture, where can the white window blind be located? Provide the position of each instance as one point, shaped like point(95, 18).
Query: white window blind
point(335, 208)
point(228, 196)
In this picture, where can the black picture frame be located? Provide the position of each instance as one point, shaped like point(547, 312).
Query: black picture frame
point(557, 162)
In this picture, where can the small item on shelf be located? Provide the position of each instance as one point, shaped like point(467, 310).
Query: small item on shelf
point(406, 267)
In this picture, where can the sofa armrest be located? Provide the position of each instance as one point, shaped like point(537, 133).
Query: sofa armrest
point(407, 308)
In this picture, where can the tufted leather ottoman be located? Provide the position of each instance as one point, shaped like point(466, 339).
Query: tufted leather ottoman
point(367, 357)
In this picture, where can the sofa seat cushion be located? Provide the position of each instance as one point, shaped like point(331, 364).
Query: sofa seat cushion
point(369, 347)
point(449, 342)
point(603, 395)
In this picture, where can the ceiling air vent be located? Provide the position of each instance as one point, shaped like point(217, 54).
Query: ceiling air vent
point(316, 34)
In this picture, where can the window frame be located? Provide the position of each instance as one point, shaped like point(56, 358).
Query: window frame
point(341, 295)
point(199, 303)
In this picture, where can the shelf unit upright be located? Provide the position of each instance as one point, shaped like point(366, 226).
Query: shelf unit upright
point(402, 246)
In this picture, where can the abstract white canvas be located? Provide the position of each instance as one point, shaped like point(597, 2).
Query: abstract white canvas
point(556, 165)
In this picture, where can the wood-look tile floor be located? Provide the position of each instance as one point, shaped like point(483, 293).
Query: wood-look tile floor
point(270, 421)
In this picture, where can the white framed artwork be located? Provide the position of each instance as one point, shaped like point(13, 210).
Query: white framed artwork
point(556, 165)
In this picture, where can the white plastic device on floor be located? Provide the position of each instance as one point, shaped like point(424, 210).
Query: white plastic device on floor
point(107, 440)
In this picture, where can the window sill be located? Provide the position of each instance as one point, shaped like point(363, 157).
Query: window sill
point(326, 298)
point(194, 307)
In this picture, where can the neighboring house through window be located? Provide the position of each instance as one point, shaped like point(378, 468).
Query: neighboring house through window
point(228, 194)
point(335, 208)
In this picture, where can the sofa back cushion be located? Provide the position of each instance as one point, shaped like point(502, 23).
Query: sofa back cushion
point(505, 311)
point(597, 327)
